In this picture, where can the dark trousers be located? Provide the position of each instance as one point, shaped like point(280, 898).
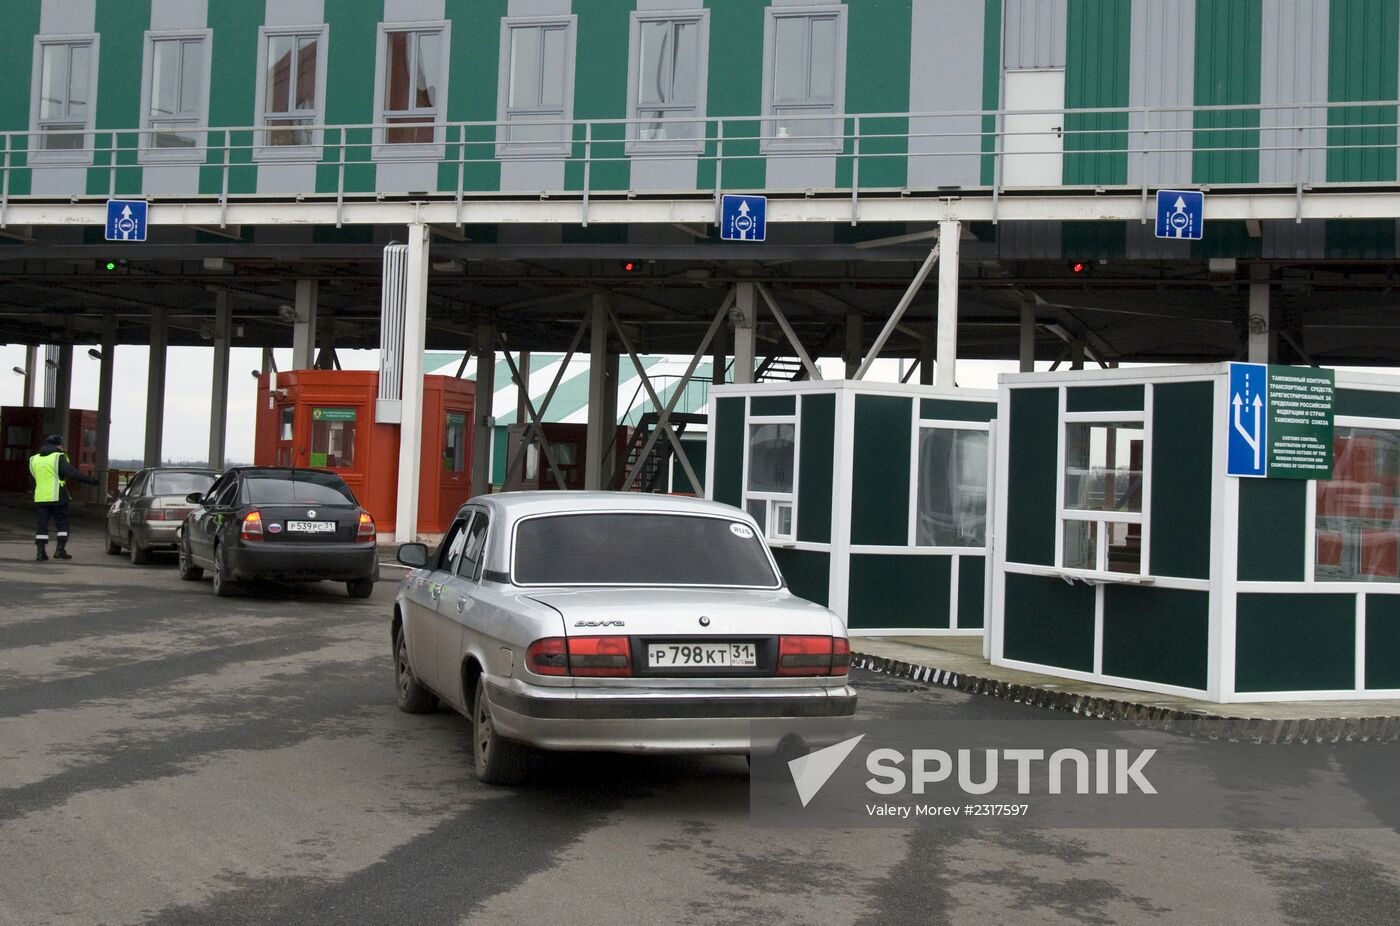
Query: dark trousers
point(58, 512)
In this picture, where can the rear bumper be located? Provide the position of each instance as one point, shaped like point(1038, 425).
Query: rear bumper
point(666, 720)
point(157, 535)
point(336, 562)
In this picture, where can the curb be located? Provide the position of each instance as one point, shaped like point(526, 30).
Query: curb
point(1189, 723)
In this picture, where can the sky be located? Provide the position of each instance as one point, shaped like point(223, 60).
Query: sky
point(187, 388)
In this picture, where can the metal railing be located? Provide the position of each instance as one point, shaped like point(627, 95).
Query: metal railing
point(976, 151)
point(696, 394)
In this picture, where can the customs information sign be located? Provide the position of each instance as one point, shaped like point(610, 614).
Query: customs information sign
point(1280, 421)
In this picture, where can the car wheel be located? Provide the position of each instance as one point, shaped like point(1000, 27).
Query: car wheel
point(413, 698)
point(499, 761)
point(114, 547)
point(360, 588)
point(188, 570)
point(140, 556)
point(224, 585)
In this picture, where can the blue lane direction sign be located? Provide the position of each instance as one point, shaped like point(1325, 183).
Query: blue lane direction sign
point(1248, 428)
point(126, 220)
point(743, 218)
point(1181, 214)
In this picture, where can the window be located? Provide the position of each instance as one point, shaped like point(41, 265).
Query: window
point(473, 552)
point(413, 74)
point(1358, 532)
point(333, 437)
point(668, 75)
point(291, 90)
point(453, 542)
point(287, 414)
point(176, 94)
point(454, 443)
point(804, 77)
point(952, 488)
point(181, 484)
point(536, 86)
point(769, 485)
point(64, 87)
point(1102, 510)
point(301, 488)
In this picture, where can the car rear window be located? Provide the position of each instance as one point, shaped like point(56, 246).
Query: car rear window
point(296, 489)
point(180, 483)
point(640, 548)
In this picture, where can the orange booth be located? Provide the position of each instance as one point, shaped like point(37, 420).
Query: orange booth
point(325, 419)
point(22, 432)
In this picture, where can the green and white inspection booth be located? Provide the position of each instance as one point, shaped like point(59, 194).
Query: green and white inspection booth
point(1228, 531)
point(872, 496)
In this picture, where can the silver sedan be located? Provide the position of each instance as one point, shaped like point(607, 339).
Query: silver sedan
point(147, 514)
point(613, 622)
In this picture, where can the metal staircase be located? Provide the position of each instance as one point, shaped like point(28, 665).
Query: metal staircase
point(654, 469)
point(779, 369)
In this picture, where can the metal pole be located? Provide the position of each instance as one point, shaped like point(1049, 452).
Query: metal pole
point(63, 392)
point(411, 423)
point(104, 402)
point(855, 343)
point(600, 431)
point(949, 240)
point(1261, 337)
point(218, 393)
point(31, 378)
point(304, 326)
point(485, 408)
point(155, 385)
point(1028, 337)
point(745, 332)
point(899, 311)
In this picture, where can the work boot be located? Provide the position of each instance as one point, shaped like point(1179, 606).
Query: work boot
point(43, 553)
point(62, 551)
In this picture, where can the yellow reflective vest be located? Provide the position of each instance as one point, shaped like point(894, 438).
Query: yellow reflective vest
point(48, 484)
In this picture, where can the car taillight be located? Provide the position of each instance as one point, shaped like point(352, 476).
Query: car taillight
point(607, 657)
point(549, 656)
point(252, 526)
point(166, 514)
point(366, 531)
point(813, 656)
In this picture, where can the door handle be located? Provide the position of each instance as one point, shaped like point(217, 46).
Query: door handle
point(435, 591)
point(461, 605)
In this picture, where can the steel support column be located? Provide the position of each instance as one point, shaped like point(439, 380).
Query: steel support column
point(949, 241)
point(304, 325)
point(1028, 337)
point(745, 332)
point(1262, 340)
point(485, 429)
point(62, 393)
point(926, 361)
point(602, 429)
point(414, 337)
point(522, 390)
point(218, 391)
point(155, 385)
point(31, 375)
point(104, 403)
point(855, 343)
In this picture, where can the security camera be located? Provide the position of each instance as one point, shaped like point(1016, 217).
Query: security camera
point(286, 313)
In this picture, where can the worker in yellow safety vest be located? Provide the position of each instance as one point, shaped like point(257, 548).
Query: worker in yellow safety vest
point(51, 471)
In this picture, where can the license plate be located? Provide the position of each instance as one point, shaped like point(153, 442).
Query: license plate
point(311, 527)
point(701, 655)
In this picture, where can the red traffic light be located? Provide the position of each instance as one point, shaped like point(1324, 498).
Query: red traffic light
point(1078, 266)
point(629, 266)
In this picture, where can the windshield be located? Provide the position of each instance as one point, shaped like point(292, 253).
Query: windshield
point(640, 548)
point(180, 483)
point(296, 489)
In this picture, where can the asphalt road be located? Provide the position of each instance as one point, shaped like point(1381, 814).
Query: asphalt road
point(168, 757)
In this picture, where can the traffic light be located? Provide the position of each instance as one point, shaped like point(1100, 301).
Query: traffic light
point(1079, 267)
point(112, 266)
point(630, 266)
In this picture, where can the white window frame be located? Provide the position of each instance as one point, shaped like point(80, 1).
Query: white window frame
point(199, 119)
point(37, 153)
point(262, 151)
point(505, 148)
point(1064, 515)
point(635, 143)
point(770, 141)
point(774, 500)
point(912, 538)
point(384, 149)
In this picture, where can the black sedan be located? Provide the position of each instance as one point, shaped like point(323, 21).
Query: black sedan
point(279, 523)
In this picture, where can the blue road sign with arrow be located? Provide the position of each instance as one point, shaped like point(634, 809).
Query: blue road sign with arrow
point(743, 218)
point(1181, 214)
point(126, 220)
point(1249, 426)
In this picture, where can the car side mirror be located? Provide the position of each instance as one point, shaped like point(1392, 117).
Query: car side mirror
point(414, 555)
point(195, 498)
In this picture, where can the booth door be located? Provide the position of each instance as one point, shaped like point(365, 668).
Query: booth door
point(286, 435)
point(455, 485)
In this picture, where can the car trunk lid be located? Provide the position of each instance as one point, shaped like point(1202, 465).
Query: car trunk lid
point(309, 523)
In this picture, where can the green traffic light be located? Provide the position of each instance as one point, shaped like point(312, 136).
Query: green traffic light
point(111, 265)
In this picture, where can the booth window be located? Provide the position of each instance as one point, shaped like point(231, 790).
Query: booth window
point(178, 95)
point(535, 104)
point(332, 439)
point(768, 493)
point(1358, 533)
point(952, 488)
point(669, 53)
point(805, 53)
point(454, 443)
point(412, 81)
point(290, 87)
point(1102, 513)
point(64, 110)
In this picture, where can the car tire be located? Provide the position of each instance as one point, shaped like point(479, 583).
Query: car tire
point(499, 761)
point(114, 547)
point(140, 556)
point(224, 585)
point(360, 588)
point(188, 570)
point(412, 697)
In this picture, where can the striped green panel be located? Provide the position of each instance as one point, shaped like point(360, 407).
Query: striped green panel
point(1034, 435)
point(1182, 434)
point(354, 34)
point(1273, 526)
point(471, 81)
point(1097, 47)
point(1049, 622)
point(909, 592)
point(1362, 57)
point(1368, 403)
point(807, 573)
point(814, 482)
point(17, 47)
point(1382, 641)
point(1157, 635)
point(1228, 38)
point(736, 89)
point(123, 29)
point(972, 590)
point(601, 92)
point(880, 478)
point(946, 410)
point(878, 30)
point(235, 24)
point(1359, 239)
point(729, 451)
point(1104, 398)
point(1295, 642)
point(991, 85)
